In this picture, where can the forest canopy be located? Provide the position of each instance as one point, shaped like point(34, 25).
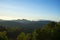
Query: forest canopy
point(50, 31)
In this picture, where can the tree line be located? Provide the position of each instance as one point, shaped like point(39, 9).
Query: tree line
point(51, 31)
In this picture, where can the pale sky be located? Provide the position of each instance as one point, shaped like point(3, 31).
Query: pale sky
point(30, 9)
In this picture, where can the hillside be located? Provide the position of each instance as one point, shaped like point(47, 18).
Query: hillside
point(23, 23)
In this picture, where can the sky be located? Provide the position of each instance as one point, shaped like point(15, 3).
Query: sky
point(30, 9)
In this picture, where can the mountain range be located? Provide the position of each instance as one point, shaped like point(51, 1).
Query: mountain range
point(24, 25)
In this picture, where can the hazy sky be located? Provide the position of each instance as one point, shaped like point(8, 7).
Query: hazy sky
point(30, 9)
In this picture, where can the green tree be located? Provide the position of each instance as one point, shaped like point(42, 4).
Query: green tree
point(34, 34)
point(21, 36)
point(27, 36)
point(3, 36)
point(49, 32)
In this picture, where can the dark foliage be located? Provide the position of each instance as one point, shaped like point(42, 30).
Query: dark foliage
point(50, 31)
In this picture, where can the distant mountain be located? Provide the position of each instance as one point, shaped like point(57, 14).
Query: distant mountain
point(10, 24)
point(23, 23)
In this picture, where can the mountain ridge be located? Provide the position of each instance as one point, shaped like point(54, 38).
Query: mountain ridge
point(24, 22)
